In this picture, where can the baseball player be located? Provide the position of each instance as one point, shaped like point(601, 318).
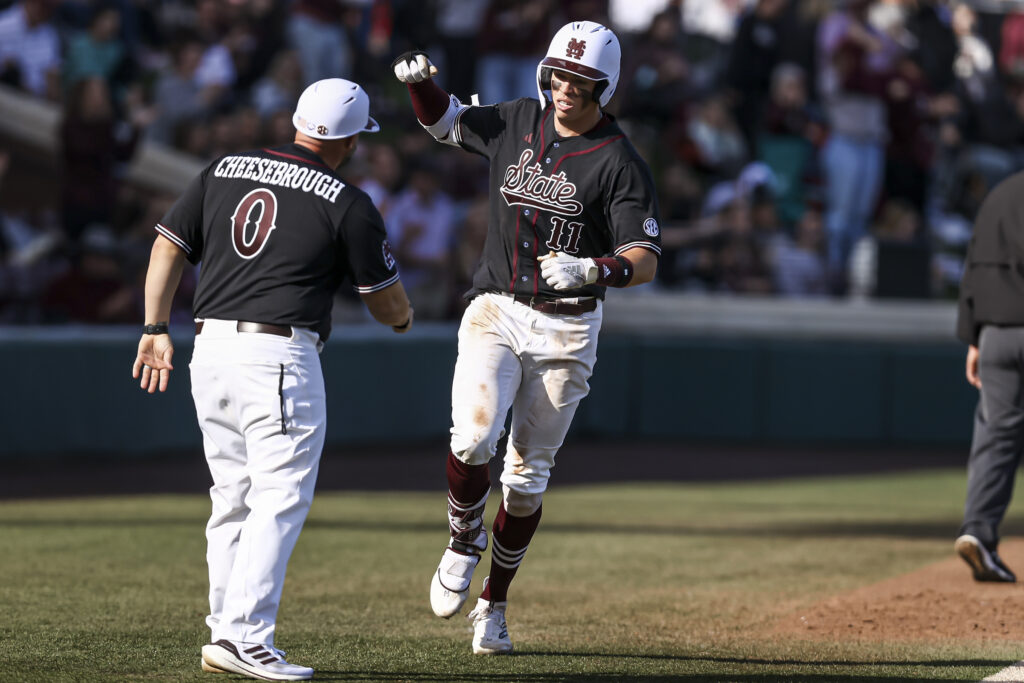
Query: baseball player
point(573, 211)
point(276, 231)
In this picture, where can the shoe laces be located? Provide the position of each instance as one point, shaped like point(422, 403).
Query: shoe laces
point(484, 611)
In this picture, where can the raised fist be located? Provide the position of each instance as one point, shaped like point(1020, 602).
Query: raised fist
point(413, 67)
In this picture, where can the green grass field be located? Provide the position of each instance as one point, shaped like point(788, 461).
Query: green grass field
point(656, 582)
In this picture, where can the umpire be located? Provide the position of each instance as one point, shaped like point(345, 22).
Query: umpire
point(276, 230)
point(991, 321)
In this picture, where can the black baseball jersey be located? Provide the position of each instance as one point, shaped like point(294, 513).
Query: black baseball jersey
point(276, 232)
point(589, 195)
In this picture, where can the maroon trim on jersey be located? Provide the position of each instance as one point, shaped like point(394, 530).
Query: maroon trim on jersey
point(536, 240)
point(543, 120)
point(515, 254)
point(173, 237)
point(586, 151)
point(298, 158)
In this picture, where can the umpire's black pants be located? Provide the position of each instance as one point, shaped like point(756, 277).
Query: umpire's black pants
point(998, 432)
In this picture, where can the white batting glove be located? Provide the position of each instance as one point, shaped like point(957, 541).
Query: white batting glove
point(562, 271)
point(414, 68)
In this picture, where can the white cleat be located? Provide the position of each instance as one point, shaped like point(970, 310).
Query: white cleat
point(253, 660)
point(490, 632)
point(210, 669)
point(449, 586)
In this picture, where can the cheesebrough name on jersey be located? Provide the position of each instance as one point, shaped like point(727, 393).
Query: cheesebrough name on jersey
point(589, 195)
point(277, 231)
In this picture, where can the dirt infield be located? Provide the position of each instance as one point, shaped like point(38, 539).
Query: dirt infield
point(938, 602)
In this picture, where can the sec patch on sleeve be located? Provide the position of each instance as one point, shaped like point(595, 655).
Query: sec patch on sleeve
point(651, 227)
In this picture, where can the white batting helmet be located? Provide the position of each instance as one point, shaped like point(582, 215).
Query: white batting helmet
point(333, 108)
point(586, 49)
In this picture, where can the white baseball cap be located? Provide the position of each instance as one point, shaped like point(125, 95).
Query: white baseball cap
point(332, 109)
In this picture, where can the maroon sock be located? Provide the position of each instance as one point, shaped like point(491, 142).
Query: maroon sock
point(510, 538)
point(467, 484)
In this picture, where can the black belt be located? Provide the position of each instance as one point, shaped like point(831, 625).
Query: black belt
point(559, 306)
point(261, 328)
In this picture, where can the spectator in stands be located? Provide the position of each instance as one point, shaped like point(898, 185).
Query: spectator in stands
point(316, 31)
point(935, 45)
point(752, 58)
point(855, 61)
point(655, 79)
point(717, 141)
point(909, 152)
point(898, 226)
point(469, 246)
point(30, 56)
point(179, 96)
point(1011, 46)
point(93, 146)
point(792, 130)
point(988, 130)
point(513, 34)
point(799, 266)
point(279, 129)
point(216, 73)
point(743, 264)
point(421, 226)
point(99, 52)
point(280, 87)
point(384, 175)
point(458, 24)
point(632, 19)
point(248, 129)
point(95, 289)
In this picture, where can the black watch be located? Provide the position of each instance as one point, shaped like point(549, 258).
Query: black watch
point(158, 328)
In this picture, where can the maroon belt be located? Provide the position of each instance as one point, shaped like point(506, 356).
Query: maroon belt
point(558, 306)
point(261, 328)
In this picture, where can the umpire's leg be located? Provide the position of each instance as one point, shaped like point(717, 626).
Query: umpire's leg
point(998, 424)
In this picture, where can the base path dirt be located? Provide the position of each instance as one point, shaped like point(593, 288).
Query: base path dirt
point(936, 602)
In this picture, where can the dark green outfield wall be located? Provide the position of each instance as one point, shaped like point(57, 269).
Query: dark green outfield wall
point(66, 395)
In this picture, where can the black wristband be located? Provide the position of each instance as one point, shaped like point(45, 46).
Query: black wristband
point(158, 328)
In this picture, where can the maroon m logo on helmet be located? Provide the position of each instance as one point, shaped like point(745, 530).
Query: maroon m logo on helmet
point(575, 48)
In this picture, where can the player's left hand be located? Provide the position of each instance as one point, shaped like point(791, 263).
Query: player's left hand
point(153, 362)
point(562, 271)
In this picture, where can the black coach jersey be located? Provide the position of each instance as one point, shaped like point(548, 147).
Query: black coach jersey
point(589, 195)
point(276, 231)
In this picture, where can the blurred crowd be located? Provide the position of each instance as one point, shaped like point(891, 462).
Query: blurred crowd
point(829, 148)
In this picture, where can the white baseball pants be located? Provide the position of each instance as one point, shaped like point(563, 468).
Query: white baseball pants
point(537, 364)
point(260, 401)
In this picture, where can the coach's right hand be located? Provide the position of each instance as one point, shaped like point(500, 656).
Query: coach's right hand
point(413, 67)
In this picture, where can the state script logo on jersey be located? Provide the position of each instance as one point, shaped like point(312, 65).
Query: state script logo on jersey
point(575, 48)
point(527, 185)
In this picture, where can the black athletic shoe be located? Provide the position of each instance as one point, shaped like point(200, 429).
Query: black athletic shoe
point(985, 563)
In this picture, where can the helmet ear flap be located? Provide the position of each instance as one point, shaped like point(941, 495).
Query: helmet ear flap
point(545, 78)
point(599, 88)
